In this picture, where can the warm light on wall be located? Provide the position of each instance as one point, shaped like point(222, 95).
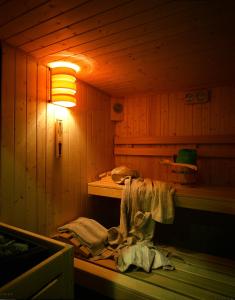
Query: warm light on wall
point(63, 83)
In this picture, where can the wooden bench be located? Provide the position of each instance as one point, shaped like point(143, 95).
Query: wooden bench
point(196, 276)
point(213, 199)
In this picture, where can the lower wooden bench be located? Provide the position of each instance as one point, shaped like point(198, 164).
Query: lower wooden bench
point(197, 276)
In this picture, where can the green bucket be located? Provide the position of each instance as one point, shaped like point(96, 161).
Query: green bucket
point(187, 156)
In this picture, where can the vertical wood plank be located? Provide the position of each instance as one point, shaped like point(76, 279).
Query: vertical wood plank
point(82, 110)
point(205, 118)
point(197, 119)
point(155, 115)
point(31, 141)
point(187, 118)
point(172, 115)
point(143, 116)
point(20, 140)
point(179, 113)
point(164, 115)
point(7, 133)
point(51, 201)
point(41, 149)
point(73, 167)
point(215, 121)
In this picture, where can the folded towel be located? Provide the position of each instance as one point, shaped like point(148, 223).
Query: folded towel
point(89, 232)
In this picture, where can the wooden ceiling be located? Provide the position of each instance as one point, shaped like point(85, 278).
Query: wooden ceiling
point(129, 46)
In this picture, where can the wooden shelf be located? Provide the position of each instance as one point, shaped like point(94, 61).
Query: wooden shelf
point(214, 199)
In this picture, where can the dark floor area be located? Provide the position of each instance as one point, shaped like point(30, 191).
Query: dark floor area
point(82, 293)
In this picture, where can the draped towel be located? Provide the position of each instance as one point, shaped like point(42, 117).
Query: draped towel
point(146, 195)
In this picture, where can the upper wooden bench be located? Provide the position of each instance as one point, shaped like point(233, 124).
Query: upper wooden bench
point(214, 199)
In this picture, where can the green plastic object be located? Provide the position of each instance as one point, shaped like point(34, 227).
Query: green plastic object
point(187, 156)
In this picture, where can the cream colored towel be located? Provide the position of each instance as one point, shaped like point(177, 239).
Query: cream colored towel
point(145, 195)
point(89, 233)
point(162, 204)
point(143, 256)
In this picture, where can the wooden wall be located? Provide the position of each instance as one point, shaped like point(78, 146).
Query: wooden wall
point(39, 192)
point(156, 126)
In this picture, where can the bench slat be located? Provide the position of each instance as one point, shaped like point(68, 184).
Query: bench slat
point(200, 255)
point(175, 285)
point(210, 284)
point(117, 285)
point(207, 262)
point(207, 274)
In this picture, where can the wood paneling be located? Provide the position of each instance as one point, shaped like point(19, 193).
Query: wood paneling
point(40, 192)
point(130, 46)
point(156, 126)
point(168, 140)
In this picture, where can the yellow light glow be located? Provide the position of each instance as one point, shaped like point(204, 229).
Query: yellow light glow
point(64, 91)
point(64, 100)
point(60, 112)
point(65, 103)
point(64, 64)
point(63, 77)
point(63, 83)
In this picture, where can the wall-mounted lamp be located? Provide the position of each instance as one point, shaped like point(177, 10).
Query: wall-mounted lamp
point(63, 83)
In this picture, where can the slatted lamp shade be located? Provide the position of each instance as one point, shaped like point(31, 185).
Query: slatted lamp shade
point(63, 83)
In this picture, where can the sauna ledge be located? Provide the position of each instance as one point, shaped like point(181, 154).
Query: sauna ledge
point(213, 199)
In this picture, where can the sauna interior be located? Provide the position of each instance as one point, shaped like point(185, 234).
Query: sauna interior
point(155, 77)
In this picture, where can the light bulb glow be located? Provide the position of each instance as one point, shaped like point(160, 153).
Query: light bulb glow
point(64, 64)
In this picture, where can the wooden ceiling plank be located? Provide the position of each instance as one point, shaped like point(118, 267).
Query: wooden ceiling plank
point(182, 68)
point(62, 20)
point(118, 25)
point(153, 53)
point(157, 78)
point(64, 45)
point(85, 26)
point(2, 2)
point(133, 40)
point(136, 49)
point(186, 37)
point(42, 35)
point(169, 47)
point(37, 16)
point(11, 10)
